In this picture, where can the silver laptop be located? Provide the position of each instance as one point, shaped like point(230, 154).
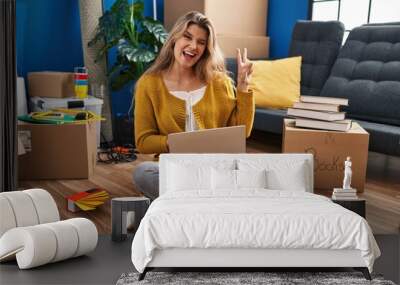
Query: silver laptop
point(219, 140)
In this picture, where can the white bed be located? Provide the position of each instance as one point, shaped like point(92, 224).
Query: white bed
point(203, 219)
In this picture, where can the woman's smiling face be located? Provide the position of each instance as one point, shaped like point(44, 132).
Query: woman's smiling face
point(190, 46)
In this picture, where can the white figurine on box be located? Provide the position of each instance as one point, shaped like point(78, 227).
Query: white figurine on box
point(347, 174)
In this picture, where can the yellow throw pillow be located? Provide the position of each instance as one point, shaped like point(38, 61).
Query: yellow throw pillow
point(276, 83)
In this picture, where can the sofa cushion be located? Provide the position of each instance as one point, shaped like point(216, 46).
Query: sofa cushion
point(276, 83)
point(383, 138)
point(231, 66)
point(318, 44)
point(367, 72)
point(269, 120)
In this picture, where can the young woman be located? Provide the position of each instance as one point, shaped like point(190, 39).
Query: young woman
point(187, 88)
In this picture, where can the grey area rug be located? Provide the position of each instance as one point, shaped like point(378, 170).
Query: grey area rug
point(243, 278)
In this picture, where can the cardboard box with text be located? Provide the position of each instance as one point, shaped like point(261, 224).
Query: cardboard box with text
point(330, 150)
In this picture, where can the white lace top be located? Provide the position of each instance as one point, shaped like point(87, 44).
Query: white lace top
point(191, 98)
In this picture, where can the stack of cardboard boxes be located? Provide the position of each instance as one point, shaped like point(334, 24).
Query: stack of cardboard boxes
point(238, 23)
point(66, 151)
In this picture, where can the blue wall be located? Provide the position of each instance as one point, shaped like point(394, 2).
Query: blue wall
point(282, 15)
point(48, 35)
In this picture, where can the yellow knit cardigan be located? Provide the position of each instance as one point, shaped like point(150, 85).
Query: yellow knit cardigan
point(159, 113)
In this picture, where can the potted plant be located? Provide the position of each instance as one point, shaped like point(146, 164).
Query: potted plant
point(137, 39)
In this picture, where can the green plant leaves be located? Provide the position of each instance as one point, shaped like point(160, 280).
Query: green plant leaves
point(134, 54)
point(136, 10)
point(111, 26)
point(156, 29)
point(137, 38)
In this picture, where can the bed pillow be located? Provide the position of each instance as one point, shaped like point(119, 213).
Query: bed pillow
point(276, 83)
point(251, 178)
point(223, 179)
point(292, 179)
point(184, 177)
point(237, 179)
point(280, 175)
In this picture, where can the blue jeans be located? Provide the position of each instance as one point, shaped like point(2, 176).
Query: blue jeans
point(145, 178)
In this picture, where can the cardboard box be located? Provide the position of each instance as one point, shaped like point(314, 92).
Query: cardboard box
point(51, 84)
point(57, 151)
point(241, 17)
point(42, 104)
point(257, 47)
point(330, 150)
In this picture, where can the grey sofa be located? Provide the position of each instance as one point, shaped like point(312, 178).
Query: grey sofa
point(318, 43)
point(367, 72)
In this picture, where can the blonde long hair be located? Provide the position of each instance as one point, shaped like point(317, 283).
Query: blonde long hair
point(210, 64)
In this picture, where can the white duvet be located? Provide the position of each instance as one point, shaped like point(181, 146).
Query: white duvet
point(250, 219)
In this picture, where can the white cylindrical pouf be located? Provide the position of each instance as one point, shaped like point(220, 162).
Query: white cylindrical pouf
point(87, 234)
point(31, 232)
point(37, 245)
point(33, 246)
point(45, 205)
point(40, 247)
point(67, 239)
point(23, 208)
point(7, 218)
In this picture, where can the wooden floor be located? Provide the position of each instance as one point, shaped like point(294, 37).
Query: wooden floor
point(382, 191)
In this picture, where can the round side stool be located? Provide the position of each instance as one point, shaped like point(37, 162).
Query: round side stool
point(119, 211)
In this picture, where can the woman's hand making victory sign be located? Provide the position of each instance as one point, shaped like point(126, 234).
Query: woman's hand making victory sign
point(244, 71)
